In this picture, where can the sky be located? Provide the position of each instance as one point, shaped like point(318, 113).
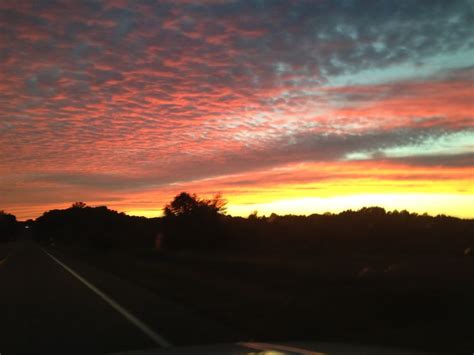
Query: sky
point(281, 106)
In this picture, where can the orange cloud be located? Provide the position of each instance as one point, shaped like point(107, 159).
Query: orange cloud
point(111, 103)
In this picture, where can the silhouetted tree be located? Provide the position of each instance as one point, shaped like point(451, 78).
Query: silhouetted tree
point(185, 204)
point(8, 226)
point(96, 227)
point(253, 216)
point(191, 222)
point(79, 205)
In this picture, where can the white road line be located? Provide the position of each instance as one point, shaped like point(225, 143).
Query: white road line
point(269, 347)
point(4, 260)
point(158, 339)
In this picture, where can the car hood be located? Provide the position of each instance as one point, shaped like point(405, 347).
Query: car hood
point(254, 348)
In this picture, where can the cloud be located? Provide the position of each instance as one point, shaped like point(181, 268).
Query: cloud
point(447, 160)
point(302, 148)
point(118, 96)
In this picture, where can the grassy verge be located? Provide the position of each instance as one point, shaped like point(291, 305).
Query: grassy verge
point(409, 301)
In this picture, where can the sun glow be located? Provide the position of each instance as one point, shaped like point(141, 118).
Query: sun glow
point(433, 204)
point(307, 188)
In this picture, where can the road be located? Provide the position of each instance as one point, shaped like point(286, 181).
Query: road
point(47, 309)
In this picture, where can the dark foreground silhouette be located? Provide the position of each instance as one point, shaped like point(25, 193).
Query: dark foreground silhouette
point(368, 276)
point(191, 223)
point(9, 227)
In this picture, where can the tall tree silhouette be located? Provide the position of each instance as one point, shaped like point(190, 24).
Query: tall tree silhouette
point(192, 222)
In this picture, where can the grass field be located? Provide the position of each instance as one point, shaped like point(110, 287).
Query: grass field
point(418, 301)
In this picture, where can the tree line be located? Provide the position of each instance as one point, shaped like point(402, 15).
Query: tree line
point(194, 223)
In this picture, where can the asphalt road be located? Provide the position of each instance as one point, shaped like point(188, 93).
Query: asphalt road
point(46, 309)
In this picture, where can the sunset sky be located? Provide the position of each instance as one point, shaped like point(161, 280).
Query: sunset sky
point(280, 106)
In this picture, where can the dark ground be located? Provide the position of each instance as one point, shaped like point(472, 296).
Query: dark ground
point(414, 301)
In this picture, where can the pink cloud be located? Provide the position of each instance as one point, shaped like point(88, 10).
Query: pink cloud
point(149, 95)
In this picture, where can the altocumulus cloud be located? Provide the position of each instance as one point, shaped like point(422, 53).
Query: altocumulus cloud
point(118, 96)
